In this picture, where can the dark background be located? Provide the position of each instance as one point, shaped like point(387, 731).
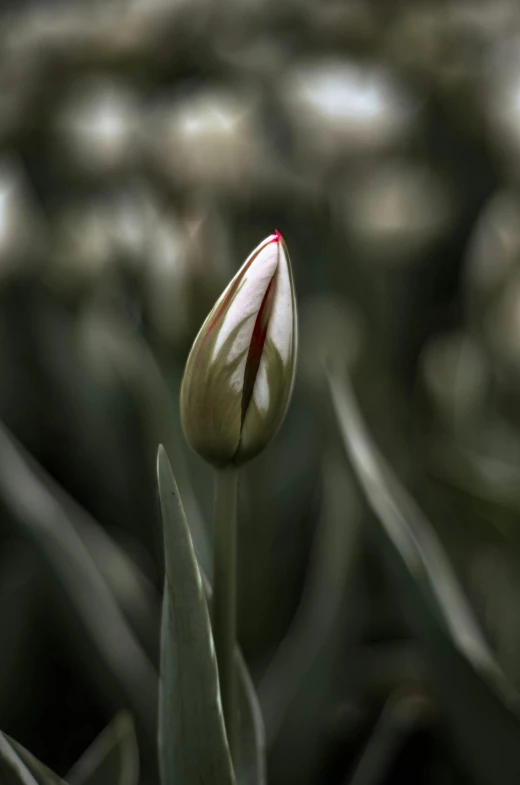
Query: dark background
point(145, 149)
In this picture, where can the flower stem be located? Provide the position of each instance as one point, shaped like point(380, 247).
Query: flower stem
point(224, 591)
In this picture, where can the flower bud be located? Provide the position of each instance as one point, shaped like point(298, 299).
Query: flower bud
point(239, 374)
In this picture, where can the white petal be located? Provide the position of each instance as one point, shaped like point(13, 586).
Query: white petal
point(261, 388)
point(279, 331)
point(280, 328)
point(248, 300)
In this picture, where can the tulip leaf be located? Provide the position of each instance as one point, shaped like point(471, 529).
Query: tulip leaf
point(13, 770)
point(41, 773)
point(482, 707)
point(251, 763)
point(131, 587)
point(193, 746)
point(403, 713)
point(141, 374)
point(112, 758)
point(44, 519)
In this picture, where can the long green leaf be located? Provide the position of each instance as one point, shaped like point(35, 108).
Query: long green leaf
point(112, 758)
point(401, 715)
point(250, 764)
point(13, 770)
point(45, 521)
point(483, 707)
point(192, 739)
point(142, 377)
point(131, 587)
point(41, 773)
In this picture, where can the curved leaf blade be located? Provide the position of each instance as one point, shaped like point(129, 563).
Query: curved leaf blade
point(192, 738)
point(13, 770)
point(483, 708)
point(251, 761)
point(41, 773)
point(44, 519)
point(112, 758)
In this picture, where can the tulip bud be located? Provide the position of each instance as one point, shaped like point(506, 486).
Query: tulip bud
point(239, 374)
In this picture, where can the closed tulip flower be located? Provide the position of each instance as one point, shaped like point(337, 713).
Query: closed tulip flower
point(239, 374)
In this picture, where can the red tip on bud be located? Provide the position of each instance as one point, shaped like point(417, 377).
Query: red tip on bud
point(275, 237)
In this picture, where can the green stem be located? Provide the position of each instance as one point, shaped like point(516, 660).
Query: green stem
point(225, 591)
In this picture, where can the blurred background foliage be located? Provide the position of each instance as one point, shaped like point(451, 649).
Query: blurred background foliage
point(145, 147)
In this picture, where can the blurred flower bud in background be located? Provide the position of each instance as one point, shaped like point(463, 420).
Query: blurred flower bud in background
point(492, 276)
point(187, 265)
point(83, 246)
point(503, 324)
point(208, 139)
point(455, 376)
point(330, 327)
point(92, 236)
point(167, 274)
point(395, 210)
point(98, 127)
point(340, 109)
point(502, 103)
point(23, 234)
point(493, 255)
